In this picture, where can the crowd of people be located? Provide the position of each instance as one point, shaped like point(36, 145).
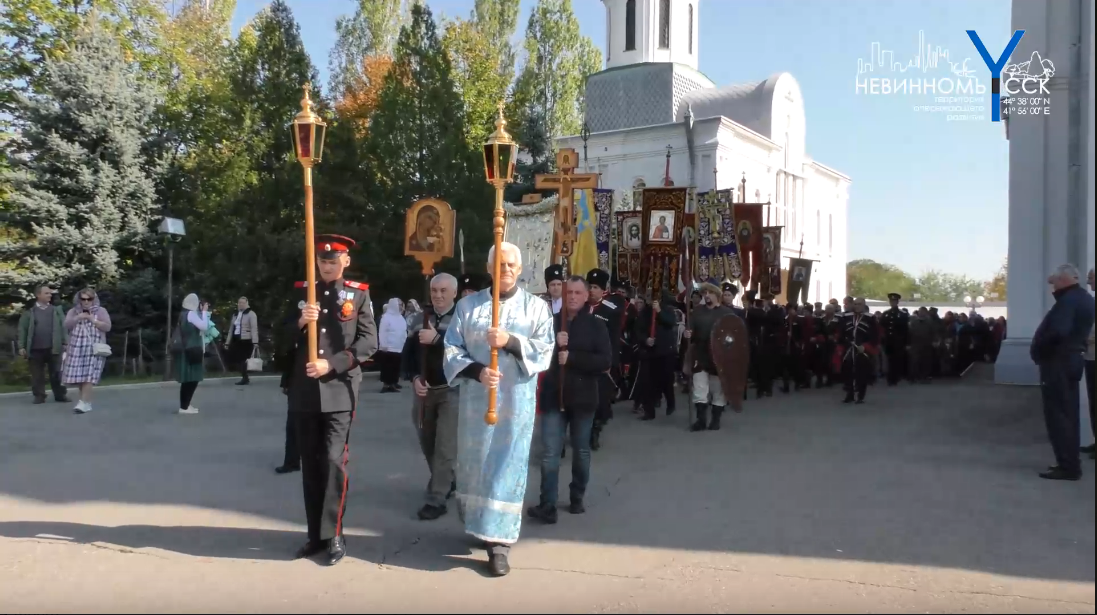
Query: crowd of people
point(561, 359)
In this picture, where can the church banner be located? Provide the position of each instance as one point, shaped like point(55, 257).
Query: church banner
point(771, 260)
point(603, 206)
point(630, 243)
point(799, 279)
point(718, 256)
point(748, 232)
point(662, 218)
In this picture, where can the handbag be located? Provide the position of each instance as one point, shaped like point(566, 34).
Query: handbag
point(101, 350)
point(255, 363)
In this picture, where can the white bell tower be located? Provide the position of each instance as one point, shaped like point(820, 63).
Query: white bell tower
point(639, 31)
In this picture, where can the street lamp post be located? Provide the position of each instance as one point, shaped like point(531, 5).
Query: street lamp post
point(500, 152)
point(173, 231)
point(308, 146)
point(974, 303)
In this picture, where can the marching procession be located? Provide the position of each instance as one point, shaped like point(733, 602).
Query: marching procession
point(488, 359)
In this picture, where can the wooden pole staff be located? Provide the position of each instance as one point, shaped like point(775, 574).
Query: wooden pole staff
point(500, 152)
point(308, 142)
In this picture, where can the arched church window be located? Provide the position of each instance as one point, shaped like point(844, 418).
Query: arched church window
point(664, 24)
point(630, 25)
point(691, 29)
point(638, 184)
point(786, 151)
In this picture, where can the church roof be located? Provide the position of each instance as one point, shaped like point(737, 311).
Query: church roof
point(746, 104)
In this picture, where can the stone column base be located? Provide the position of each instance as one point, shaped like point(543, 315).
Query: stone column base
point(1014, 365)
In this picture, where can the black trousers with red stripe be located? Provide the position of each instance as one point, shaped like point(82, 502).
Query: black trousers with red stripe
point(324, 441)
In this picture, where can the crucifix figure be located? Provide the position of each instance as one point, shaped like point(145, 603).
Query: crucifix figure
point(565, 182)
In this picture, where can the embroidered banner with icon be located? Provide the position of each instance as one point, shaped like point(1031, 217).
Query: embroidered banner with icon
point(748, 233)
point(799, 279)
point(771, 260)
point(630, 243)
point(718, 255)
point(662, 218)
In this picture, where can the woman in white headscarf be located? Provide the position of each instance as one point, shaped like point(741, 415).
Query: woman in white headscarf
point(412, 312)
point(188, 349)
point(391, 335)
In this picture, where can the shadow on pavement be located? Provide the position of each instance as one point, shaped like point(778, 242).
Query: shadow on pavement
point(941, 475)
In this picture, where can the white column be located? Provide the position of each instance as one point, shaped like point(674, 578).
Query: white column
point(1037, 192)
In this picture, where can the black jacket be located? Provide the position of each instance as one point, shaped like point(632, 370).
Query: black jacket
point(346, 337)
point(612, 314)
point(666, 334)
point(1064, 332)
point(412, 357)
point(589, 356)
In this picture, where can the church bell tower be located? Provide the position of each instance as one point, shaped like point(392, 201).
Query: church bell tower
point(639, 31)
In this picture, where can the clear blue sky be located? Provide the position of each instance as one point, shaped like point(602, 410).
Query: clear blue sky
point(926, 194)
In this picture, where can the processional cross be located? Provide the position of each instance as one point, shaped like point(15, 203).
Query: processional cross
point(565, 182)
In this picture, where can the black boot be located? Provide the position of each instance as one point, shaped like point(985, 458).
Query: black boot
point(860, 397)
point(700, 424)
point(849, 398)
point(714, 424)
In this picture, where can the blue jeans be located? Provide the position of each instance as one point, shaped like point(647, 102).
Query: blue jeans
point(553, 425)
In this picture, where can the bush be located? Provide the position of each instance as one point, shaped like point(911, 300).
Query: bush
point(14, 371)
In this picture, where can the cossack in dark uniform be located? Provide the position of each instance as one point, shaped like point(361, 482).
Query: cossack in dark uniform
point(554, 273)
point(896, 326)
point(470, 284)
point(728, 287)
point(858, 340)
point(611, 314)
point(324, 407)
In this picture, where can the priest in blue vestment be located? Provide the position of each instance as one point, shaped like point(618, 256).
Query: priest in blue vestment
point(493, 460)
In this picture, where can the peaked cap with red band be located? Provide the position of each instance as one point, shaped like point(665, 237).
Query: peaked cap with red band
point(330, 246)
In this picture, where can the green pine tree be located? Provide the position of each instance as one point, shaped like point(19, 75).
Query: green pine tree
point(84, 170)
point(418, 148)
point(241, 192)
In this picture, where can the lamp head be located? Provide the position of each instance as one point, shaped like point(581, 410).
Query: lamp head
point(500, 152)
point(308, 132)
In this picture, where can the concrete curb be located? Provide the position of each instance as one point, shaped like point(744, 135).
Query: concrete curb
point(154, 385)
point(158, 385)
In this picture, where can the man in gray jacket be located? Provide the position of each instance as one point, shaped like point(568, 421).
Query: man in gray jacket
point(1057, 348)
point(43, 341)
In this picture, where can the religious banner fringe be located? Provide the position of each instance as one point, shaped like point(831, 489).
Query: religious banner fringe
point(662, 220)
point(799, 279)
point(771, 260)
point(719, 259)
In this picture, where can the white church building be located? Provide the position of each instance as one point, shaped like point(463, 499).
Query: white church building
point(1051, 168)
point(651, 98)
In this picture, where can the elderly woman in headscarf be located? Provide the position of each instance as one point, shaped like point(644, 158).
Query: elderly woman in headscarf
point(411, 312)
point(87, 323)
point(391, 336)
point(188, 346)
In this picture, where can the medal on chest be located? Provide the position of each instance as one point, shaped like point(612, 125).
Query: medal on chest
point(348, 308)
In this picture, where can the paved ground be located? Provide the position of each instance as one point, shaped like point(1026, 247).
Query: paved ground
point(925, 499)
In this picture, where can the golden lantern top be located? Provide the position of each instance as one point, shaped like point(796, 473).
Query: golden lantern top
point(308, 132)
point(500, 152)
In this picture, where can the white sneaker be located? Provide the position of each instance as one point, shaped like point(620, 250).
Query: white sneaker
point(82, 407)
point(188, 410)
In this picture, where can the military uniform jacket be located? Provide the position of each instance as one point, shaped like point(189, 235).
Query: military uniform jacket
point(346, 337)
point(859, 330)
point(896, 326)
point(611, 314)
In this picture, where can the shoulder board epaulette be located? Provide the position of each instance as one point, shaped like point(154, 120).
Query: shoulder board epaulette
point(611, 304)
point(300, 284)
point(358, 285)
